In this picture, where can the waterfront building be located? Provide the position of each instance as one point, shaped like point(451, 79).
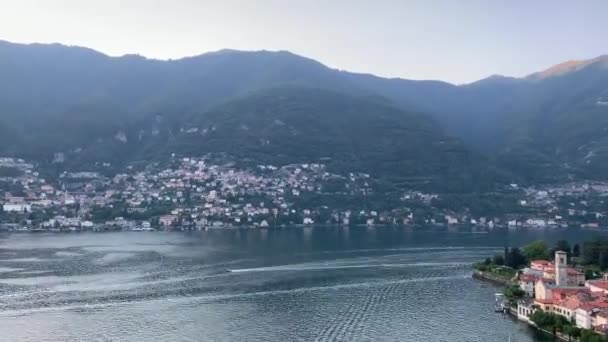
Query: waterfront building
point(592, 316)
point(564, 292)
point(525, 308)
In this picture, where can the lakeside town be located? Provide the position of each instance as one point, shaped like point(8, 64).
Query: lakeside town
point(201, 193)
point(566, 296)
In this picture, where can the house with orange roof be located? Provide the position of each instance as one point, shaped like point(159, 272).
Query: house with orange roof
point(574, 276)
point(562, 290)
point(591, 315)
point(567, 301)
point(599, 286)
point(540, 265)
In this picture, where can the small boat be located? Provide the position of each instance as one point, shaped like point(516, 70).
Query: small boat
point(499, 303)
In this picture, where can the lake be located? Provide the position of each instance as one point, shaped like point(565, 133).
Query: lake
point(293, 284)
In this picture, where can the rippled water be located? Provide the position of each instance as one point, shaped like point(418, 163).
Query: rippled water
point(319, 284)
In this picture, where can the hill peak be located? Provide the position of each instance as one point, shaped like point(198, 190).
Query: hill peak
point(566, 67)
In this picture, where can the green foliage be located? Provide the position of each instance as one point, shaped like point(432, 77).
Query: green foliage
point(513, 293)
point(481, 204)
point(499, 260)
point(572, 331)
point(576, 250)
point(603, 260)
point(514, 258)
point(550, 321)
point(587, 335)
point(296, 124)
point(100, 214)
point(596, 252)
point(536, 250)
point(564, 246)
point(591, 274)
point(583, 335)
point(497, 271)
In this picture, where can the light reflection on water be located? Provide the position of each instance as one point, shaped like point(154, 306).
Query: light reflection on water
point(288, 285)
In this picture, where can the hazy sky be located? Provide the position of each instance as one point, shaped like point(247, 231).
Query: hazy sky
point(453, 40)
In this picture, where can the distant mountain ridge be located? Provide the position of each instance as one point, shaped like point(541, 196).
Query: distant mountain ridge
point(545, 127)
point(566, 67)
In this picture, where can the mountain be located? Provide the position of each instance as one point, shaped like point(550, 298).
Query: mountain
point(548, 126)
point(565, 68)
point(557, 122)
point(258, 107)
point(347, 133)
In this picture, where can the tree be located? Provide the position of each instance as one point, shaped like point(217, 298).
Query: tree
point(563, 245)
point(576, 250)
point(515, 258)
point(572, 331)
point(590, 336)
point(514, 292)
point(536, 250)
point(488, 261)
point(499, 260)
point(542, 319)
point(603, 260)
point(507, 257)
point(589, 274)
point(591, 250)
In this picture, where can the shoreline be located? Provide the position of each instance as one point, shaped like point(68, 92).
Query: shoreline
point(486, 277)
point(429, 228)
point(482, 276)
point(408, 227)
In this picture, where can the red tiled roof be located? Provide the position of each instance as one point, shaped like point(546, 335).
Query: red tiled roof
point(584, 297)
point(564, 293)
point(602, 284)
point(541, 262)
point(594, 305)
point(570, 304)
point(529, 277)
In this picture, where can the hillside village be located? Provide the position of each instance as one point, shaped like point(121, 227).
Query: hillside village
point(200, 193)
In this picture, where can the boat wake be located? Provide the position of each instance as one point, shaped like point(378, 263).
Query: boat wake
point(284, 268)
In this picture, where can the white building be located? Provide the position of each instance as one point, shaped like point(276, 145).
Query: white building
point(527, 283)
point(451, 220)
point(16, 207)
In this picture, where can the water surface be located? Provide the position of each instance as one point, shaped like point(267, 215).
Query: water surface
point(311, 284)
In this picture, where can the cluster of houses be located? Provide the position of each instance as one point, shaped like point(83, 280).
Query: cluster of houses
point(555, 287)
point(195, 193)
point(579, 203)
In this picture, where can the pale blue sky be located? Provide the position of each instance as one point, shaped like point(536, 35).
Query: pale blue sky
point(452, 40)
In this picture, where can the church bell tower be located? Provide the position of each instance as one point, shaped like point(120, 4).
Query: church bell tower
point(561, 268)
